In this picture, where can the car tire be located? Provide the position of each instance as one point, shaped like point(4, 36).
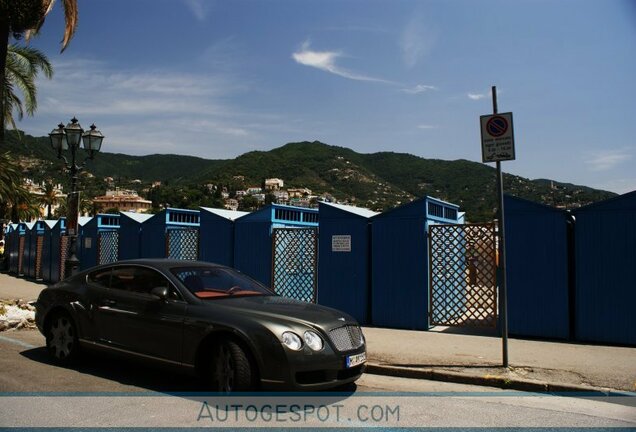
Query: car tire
point(230, 369)
point(61, 339)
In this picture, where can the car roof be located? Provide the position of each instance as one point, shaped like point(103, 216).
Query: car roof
point(166, 263)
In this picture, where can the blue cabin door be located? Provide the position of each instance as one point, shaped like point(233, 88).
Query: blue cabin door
point(463, 275)
point(294, 267)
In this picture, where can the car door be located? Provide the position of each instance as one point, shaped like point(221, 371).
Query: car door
point(130, 318)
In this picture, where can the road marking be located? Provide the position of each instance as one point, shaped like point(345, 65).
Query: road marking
point(16, 342)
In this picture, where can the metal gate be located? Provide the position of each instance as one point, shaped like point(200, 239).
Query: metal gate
point(21, 247)
point(39, 245)
point(463, 275)
point(182, 244)
point(107, 247)
point(294, 266)
point(65, 244)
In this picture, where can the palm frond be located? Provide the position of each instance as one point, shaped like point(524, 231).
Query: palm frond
point(23, 65)
point(71, 16)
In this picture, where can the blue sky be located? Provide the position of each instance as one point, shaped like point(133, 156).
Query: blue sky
point(217, 78)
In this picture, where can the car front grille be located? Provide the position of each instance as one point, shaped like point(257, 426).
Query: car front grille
point(346, 338)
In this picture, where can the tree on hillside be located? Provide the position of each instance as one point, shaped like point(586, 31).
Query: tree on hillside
point(23, 18)
point(23, 64)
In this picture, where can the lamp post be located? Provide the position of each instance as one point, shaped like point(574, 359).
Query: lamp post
point(67, 138)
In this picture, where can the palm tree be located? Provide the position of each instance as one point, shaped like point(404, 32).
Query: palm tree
point(23, 18)
point(50, 198)
point(14, 197)
point(22, 68)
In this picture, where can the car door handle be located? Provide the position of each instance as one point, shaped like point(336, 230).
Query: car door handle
point(110, 302)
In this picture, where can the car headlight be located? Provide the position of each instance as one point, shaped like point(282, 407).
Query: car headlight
point(292, 341)
point(313, 340)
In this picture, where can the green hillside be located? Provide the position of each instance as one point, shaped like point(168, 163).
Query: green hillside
point(378, 181)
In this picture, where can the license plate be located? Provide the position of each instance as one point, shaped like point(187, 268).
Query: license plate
point(355, 360)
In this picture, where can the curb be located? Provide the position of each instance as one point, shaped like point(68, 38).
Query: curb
point(491, 381)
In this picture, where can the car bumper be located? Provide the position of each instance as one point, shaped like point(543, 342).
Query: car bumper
point(316, 371)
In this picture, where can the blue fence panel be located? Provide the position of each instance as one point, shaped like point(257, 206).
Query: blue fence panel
point(605, 239)
point(537, 269)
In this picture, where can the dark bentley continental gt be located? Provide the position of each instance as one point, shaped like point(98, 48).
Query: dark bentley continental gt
point(209, 319)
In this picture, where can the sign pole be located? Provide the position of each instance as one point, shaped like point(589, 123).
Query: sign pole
point(503, 293)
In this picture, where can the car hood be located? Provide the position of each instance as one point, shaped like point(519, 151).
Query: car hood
point(288, 309)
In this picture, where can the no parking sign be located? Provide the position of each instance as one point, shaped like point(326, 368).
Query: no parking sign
point(497, 138)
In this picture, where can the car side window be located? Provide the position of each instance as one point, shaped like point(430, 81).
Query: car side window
point(141, 280)
point(100, 278)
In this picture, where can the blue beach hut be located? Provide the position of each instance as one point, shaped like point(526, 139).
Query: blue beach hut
point(171, 233)
point(344, 259)
point(130, 226)
point(216, 235)
point(276, 245)
point(100, 240)
point(400, 262)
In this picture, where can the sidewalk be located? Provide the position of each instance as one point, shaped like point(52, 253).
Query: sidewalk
point(534, 365)
point(439, 355)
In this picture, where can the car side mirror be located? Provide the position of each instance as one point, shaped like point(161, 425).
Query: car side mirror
point(160, 292)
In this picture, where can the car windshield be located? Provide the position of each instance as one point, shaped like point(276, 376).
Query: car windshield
point(218, 282)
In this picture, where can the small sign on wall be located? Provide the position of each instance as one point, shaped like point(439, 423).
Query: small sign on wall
point(88, 242)
point(341, 243)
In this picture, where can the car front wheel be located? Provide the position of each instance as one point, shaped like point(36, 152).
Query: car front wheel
point(61, 339)
point(230, 369)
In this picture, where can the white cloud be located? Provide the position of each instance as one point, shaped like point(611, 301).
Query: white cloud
point(198, 8)
point(605, 160)
point(326, 61)
point(426, 126)
point(416, 41)
point(420, 88)
point(476, 96)
point(164, 111)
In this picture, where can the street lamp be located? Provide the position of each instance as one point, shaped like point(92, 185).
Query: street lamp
point(68, 139)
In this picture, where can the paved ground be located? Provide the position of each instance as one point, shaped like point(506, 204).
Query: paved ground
point(13, 288)
point(534, 364)
point(472, 359)
point(107, 391)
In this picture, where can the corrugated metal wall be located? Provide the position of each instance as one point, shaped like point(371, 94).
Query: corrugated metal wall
point(344, 276)
point(605, 244)
point(537, 269)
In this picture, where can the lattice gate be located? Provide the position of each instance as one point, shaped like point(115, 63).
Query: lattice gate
point(463, 275)
point(294, 267)
point(107, 247)
point(21, 247)
point(65, 244)
point(39, 245)
point(182, 244)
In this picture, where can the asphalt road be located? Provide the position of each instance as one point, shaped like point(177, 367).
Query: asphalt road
point(107, 391)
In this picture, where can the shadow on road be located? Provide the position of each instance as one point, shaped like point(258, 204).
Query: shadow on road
point(146, 376)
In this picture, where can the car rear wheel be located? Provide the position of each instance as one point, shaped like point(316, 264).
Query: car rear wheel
point(231, 370)
point(61, 338)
